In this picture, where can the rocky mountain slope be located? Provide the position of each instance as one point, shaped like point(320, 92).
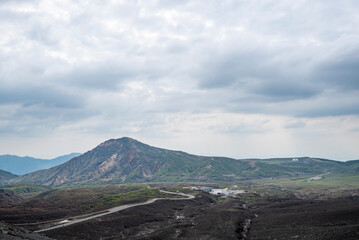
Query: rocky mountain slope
point(22, 165)
point(126, 160)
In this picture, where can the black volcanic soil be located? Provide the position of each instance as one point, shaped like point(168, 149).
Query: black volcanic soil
point(8, 198)
point(200, 218)
point(9, 232)
point(306, 219)
point(252, 217)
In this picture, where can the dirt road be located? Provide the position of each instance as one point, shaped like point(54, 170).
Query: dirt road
point(79, 219)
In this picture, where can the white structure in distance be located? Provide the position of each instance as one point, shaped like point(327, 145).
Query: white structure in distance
point(219, 191)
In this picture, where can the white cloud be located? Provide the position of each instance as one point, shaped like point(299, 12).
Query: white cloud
point(231, 70)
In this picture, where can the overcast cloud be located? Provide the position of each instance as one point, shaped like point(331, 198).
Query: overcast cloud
point(234, 78)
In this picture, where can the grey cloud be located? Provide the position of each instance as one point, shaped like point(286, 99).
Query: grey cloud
point(329, 109)
point(274, 90)
point(225, 69)
point(257, 57)
point(107, 78)
point(327, 104)
point(43, 35)
point(6, 15)
point(35, 120)
point(177, 47)
point(341, 72)
point(49, 97)
point(253, 73)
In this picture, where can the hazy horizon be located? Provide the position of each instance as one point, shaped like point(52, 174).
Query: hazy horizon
point(268, 157)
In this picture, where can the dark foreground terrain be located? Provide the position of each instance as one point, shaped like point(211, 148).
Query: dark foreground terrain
point(306, 219)
point(9, 232)
point(262, 213)
point(202, 218)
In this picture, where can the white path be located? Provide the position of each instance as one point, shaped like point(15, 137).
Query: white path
point(79, 219)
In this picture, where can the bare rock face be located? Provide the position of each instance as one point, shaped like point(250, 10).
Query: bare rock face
point(59, 180)
point(108, 164)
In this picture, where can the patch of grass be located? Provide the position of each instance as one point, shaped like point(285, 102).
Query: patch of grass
point(328, 181)
point(329, 186)
point(139, 195)
point(177, 189)
point(25, 190)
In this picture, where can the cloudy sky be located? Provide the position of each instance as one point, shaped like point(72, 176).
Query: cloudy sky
point(257, 78)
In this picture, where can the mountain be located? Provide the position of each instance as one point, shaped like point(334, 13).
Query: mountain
point(23, 165)
point(6, 176)
point(126, 160)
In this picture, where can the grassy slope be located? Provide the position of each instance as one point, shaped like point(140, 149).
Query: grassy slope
point(185, 167)
point(332, 180)
point(342, 179)
point(179, 168)
point(25, 190)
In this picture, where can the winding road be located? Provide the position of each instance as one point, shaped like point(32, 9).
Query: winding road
point(79, 219)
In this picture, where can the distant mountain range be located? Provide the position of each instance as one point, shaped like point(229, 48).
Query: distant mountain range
point(22, 165)
point(126, 160)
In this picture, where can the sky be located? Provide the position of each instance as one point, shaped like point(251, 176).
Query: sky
point(242, 79)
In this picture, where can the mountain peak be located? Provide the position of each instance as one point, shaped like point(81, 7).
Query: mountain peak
point(123, 139)
point(121, 142)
